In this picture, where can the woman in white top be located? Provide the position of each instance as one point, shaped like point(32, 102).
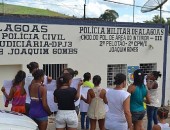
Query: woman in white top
point(152, 85)
point(162, 116)
point(118, 117)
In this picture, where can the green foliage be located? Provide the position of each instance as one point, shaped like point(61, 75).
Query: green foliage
point(156, 19)
point(15, 9)
point(109, 15)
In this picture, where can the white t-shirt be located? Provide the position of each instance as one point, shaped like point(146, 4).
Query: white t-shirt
point(115, 117)
point(163, 126)
point(154, 96)
point(84, 106)
point(28, 81)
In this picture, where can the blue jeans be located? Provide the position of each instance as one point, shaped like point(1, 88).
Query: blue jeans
point(152, 116)
point(83, 117)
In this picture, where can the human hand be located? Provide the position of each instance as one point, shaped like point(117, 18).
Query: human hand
point(80, 83)
point(81, 97)
point(3, 89)
point(50, 113)
point(49, 79)
point(130, 127)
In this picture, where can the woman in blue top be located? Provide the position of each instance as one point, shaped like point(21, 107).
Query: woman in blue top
point(138, 93)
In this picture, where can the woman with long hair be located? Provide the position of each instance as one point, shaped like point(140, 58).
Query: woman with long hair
point(138, 92)
point(17, 93)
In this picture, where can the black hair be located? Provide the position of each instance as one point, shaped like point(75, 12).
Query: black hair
point(86, 76)
point(138, 77)
point(19, 77)
point(38, 74)
point(96, 80)
point(63, 79)
point(72, 72)
point(32, 65)
point(163, 113)
point(156, 74)
point(119, 78)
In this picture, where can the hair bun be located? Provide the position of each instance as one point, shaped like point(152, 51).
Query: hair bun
point(28, 66)
point(61, 79)
point(119, 78)
point(75, 72)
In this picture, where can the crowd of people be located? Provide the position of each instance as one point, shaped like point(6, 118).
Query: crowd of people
point(114, 108)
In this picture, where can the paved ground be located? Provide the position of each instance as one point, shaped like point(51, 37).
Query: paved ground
point(51, 125)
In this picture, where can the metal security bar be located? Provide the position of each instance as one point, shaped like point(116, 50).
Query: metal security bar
point(148, 67)
point(54, 70)
point(112, 70)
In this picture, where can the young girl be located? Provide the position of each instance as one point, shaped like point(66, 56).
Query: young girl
point(17, 93)
point(96, 98)
point(162, 116)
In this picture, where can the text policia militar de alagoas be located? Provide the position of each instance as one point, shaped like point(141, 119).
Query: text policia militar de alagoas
point(122, 39)
point(33, 39)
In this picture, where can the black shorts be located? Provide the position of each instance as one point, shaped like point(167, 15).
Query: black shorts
point(137, 116)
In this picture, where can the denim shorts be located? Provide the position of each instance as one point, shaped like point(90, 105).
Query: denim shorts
point(137, 116)
point(41, 119)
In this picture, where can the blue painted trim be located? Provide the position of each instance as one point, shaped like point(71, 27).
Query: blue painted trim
point(164, 65)
point(71, 21)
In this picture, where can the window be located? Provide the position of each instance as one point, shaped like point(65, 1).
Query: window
point(148, 67)
point(112, 70)
point(54, 70)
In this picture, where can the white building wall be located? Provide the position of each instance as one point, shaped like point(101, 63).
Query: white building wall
point(89, 55)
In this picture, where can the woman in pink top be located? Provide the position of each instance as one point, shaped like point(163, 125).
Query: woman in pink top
point(17, 93)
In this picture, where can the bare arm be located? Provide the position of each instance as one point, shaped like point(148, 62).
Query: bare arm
point(130, 88)
point(148, 100)
point(89, 96)
point(11, 94)
point(85, 100)
point(104, 98)
point(78, 90)
point(156, 127)
point(126, 107)
point(44, 100)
